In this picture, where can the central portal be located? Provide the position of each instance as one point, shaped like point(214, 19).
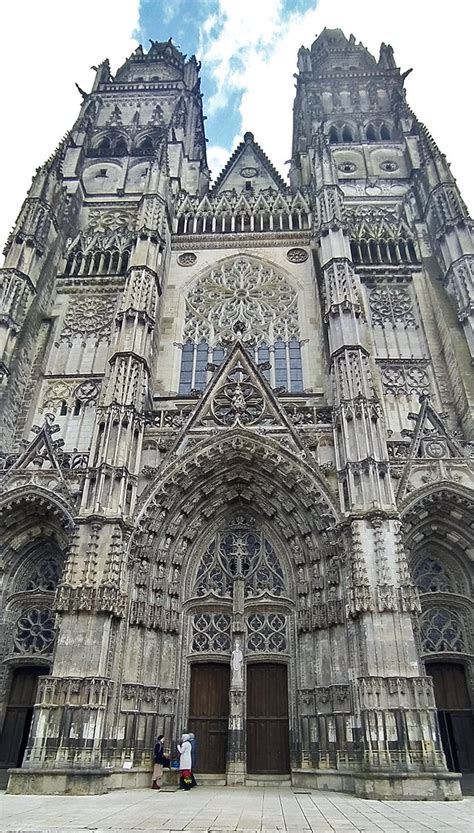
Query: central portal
point(209, 713)
point(268, 749)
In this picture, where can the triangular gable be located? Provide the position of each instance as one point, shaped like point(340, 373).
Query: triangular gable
point(41, 450)
point(248, 164)
point(238, 396)
point(430, 439)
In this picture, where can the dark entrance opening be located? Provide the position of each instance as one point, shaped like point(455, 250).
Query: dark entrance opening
point(209, 714)
point(268, 741)
point(18, 717)
point(456, 719)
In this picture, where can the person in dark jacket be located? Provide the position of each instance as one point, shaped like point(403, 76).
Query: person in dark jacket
point(159, 760)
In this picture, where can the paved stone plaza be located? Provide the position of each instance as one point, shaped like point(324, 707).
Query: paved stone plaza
point(218, 809)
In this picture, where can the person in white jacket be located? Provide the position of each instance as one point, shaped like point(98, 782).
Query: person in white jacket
point(185, 763)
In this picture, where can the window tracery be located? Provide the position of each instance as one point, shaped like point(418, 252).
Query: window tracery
point(441, 630)
point(211, 633)
point(257, 301)
point(267, 633)
point(430, 576)
point(35, 632)
point(45, 576)
point(239, 552)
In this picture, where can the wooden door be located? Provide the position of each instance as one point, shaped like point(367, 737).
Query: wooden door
point(18, 717)
point(268, 742)
point(209, 714)
point(456, 720)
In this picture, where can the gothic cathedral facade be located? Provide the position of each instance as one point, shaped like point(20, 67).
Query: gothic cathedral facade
point(236, 491)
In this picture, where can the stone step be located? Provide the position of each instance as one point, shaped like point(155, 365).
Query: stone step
point(261, 780)
point(208, 779)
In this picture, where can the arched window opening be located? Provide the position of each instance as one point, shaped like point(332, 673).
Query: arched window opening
point(371, 133)
point(392, 252)
point(441, 630)
point(187, 360)
point(281, 372)
point(431, 576)
point(63, 408)
point(402, 250)
point(374, 255)
point(69, 264)
point(145, 147)
point(120, 148)
point(115, 262)
point(201, 365)
point(384, 252)
point(385, 133)
point(45, 576)
point(296, 370)
point(333, 136)
point(103, 148)
point(96, 262)
point(249, 296)
point(77, 407)
point(239, 551)
point(411, 251)
point(347, 135)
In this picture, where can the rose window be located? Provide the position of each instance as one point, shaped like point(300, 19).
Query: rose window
point(35, 632)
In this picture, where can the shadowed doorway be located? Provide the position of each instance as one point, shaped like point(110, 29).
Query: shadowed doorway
point(268, 745)
point(209, 714)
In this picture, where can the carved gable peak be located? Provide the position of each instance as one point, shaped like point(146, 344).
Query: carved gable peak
point(239, 396)
point(41, 452)
point(430, 440)
point(249, 170)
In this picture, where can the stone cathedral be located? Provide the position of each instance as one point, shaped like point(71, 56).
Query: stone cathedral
point(236, 492)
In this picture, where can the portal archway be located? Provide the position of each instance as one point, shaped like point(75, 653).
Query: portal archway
point(440, 539)
point(234, 543)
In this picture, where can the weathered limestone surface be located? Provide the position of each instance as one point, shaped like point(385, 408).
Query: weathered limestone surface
point(237, 444)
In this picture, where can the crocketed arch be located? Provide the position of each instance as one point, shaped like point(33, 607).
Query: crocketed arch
point(35, 529)
point(439, 537)
point(438, 519)
point(247, 295)
point(111, 143)
point(240, 469)
point(224, 477)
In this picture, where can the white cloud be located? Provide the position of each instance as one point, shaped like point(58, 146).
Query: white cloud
point(427, 35)
point(44, 48)
point(217, 157)
point(250, 47)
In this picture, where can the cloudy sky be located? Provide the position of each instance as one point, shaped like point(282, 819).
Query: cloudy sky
point(248, 52)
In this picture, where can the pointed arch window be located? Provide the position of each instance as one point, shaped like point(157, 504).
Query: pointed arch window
point(239, 552)
point(250, 297)
point(441, 630)
point(347, 135)
point(371, 133)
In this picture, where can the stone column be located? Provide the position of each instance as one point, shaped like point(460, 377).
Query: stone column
point(92, 598)
point(397, 723)
point(236, 750)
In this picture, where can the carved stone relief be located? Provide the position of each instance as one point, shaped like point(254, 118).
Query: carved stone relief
point(88, 317)
point(241, 292)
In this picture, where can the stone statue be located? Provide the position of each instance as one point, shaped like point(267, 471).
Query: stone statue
point(237, 665)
